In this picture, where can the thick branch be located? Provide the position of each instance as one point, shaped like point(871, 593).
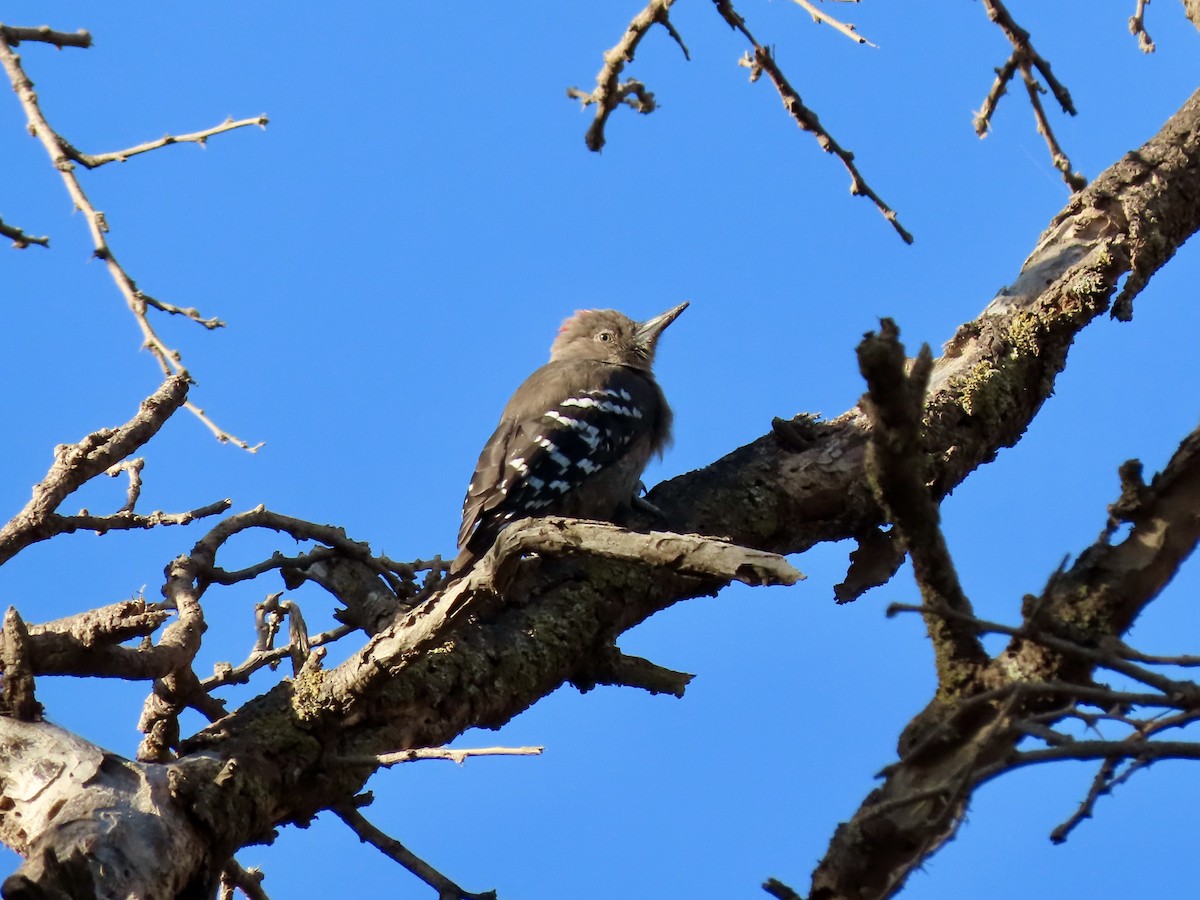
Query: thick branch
point(897, 468)
point(54, 787)
point(994, 375)
point(952, 747)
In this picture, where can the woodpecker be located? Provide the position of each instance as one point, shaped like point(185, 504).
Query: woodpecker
point(575, 437)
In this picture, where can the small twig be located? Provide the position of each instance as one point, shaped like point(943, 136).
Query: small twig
point(219, 433)
point(763, 60)
point(44, 34)
point(774, 886)
point(1026, 55)
point(456, 755)
point(224, 673)
point(128, 521)
point(1124, 651)
point(20, 239)
point(1167, 686)
point(134, 468)
point(268, 616)
point(1075, 181)
point(1102, 784)
point(610, 92)
point(1025, 58)
point(248, 881)
point(844, 27)
point(392, 848)
point(94, 161)
point(1137, 27)
point(619, 669)
point(897, 469)
point(187, 312)
point(63, 155)
point(1004, 74)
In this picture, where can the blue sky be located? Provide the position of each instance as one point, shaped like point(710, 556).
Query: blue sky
point(394, 254)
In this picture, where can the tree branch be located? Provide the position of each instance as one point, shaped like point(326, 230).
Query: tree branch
point(20, 239)
point(392, 848)
point(897, 468)
point(76, 464)
point(94, 161)
point(956, 744)
point(45, 35)
point(609, 92)
point(62, 154)
point(763, 60)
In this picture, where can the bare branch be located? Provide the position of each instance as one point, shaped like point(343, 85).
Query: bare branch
point(897, 468)
point(20, 239)
point(622, 670)
point(62, 154)
point(188, 312)
point(224, 673)
point(134, 468)
point(1137, 27)
point(86, 644)
point(763, 60)
point(779, 890)
point(1075, 181)
point(455, 755)
point(844, 27)
point(1026, 59)
point(956, 744)
point(76, 464)
point(248, 881)
point(94, 161)
point(389, 846)
point(609, 92)
point(127, 521)
point(1025, 54)
point(44, 34)
point(1106, 779)
point(1004, 74)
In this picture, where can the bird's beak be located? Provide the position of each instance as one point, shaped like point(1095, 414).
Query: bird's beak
point(649, 330)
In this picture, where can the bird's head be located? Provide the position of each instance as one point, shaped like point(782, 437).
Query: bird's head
point(610, 336)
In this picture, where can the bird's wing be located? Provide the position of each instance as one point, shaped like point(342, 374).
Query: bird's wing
point(482, 493)
point(587, 417)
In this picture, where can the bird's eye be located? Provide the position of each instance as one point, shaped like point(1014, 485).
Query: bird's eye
point(605, 337)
